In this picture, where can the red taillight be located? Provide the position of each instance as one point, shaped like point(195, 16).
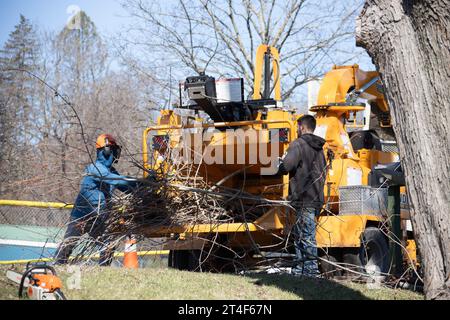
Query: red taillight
point(283, 135)
point(160, 142)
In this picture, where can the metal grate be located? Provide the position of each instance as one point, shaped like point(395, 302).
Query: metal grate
point(362, 200)
point(389, 146)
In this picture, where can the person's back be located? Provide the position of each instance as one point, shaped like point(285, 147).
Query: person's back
point(307, 171)
point(305, 162)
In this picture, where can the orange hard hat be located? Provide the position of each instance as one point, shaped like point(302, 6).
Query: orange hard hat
point(104, 140)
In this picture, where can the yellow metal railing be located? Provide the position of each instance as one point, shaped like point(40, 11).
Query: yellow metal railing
point(60, 205)
point(96, 256)
point(36, 204)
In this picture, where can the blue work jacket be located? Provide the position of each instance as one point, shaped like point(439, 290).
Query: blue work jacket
point(97, 186)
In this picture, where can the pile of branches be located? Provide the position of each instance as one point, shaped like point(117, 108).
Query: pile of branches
point(164, 200)
point(178, 197)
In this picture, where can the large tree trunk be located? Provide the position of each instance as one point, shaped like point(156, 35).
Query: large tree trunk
point(409, 42)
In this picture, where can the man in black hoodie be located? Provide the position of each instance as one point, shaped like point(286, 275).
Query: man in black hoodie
point(305, 162)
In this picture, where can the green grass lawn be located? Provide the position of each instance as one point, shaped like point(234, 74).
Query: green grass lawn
point(163, 283)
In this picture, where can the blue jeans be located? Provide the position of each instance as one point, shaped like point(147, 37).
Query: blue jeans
point(91, 224)
point(305, 242)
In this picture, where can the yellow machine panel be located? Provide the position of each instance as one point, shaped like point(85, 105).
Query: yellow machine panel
point(341, 231)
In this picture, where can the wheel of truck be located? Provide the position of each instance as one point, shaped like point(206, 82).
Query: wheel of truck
point(372, 257)
point(330, 270)
point(177, 259)
point(374, 252)
point(218, 259)
point(352, 262)
point(187, 260)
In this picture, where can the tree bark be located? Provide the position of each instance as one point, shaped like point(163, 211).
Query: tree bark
point(409, 42)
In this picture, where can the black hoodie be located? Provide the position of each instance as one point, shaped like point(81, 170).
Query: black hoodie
point(306, 165)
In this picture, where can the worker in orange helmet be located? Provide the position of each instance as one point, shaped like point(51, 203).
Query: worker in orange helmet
point(96, 189)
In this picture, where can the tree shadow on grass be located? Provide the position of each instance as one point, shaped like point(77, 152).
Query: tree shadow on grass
point(308, 288)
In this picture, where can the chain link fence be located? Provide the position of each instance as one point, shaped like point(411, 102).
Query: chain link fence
point(32, 216)
point(29, 232)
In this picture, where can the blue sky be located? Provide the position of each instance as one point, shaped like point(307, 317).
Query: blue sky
point(52, 15)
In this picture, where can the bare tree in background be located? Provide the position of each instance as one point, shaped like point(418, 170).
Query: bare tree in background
point(104, 100)
point(409, 42)
point(222, 36)
point(43, 151)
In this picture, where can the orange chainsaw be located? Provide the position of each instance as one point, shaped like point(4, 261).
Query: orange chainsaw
point(41, 282)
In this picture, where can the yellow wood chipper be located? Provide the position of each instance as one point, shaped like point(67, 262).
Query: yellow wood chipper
point(354, 228)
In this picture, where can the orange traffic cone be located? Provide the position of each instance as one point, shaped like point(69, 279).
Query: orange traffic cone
point(130, 257)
